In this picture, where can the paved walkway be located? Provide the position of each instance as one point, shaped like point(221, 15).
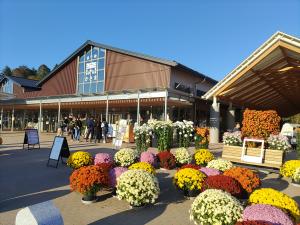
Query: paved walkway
point(25, 180)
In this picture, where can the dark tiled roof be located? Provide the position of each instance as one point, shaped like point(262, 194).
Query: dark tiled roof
point(23, 82)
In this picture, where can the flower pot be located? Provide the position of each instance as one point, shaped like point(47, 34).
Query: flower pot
point(88, 199)
point(190, 193)
point(137, 207)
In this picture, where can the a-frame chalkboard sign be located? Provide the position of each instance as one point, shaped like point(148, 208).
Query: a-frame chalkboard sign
point(59, 150)
point(31, 138)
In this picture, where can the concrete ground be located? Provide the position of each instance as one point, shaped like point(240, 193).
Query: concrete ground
point(25, 180)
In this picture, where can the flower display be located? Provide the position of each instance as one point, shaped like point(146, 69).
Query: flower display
point(276, 198)
point(142, 137)
point(182, 156)
point(88, 180)
point(79, 159)
point(143, 166)
point(232, 138)
point(202, 137)
point(188, 179)
point(148, 157)
point(278, 142)
point(166, 160)
point(164, 133)
point(220, 164)
point(224, 183)
point(114, 173)
point(196, 167)
point(210, 171)
point(215, 207)
point(266, 213)
point(296, 176)
point(203, 156)
point(103, 158)
point(137, 187)
point(125, 157)
point(289, 168)
point(184, 130)
point(246, 177)
point(253, 222)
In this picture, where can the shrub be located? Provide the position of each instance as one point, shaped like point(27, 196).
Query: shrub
point(266, 213)
point(289, 168)
point(278, 142)
point(203, 156)
point(248, 179)
point(89, 179)
point(196, 167)
point(232, 138)
point(114, 173)
point(166, 160)
point(184, 130)
point(143, 166)
point(182, 156)
point(142, 137)
point(103, 158)
point(224, 183)
point(220, 164)
point(137, 187)
point(273, 197)
point(188, 179)
point(215, 207)
point(210, 171)
point(202, 137)
point(148, 157)
point(79, 159)
point(125, 157)
point(260, 124)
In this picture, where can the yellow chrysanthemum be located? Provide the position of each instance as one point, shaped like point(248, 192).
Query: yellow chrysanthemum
point(289, 168)
point(79, 159)
point(203, 156)
point(143, 166)
point(188, 179)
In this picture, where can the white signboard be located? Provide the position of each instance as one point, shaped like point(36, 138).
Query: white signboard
point(253, 159)
point(56, 148)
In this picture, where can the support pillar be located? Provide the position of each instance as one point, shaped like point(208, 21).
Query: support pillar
point(138, 118)
point(106, 112)
point(230, 117)
point(58, 114)
point(214, 121)
point(1, 119)
point(166, 106)
point(40, 117)
point(12, 119)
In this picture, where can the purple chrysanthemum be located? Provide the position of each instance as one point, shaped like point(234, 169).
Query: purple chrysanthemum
point(148, 157)
point(210, 171)
point(114, 173)
point(103, 158)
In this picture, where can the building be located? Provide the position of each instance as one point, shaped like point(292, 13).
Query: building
point(108, 83)
point(268, 79)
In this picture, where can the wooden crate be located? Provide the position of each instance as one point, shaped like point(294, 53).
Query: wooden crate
point(272, 158)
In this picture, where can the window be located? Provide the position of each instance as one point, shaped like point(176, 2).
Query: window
point(7, 87)
point(91, 70)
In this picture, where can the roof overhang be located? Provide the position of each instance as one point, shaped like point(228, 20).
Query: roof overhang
point(268, 79)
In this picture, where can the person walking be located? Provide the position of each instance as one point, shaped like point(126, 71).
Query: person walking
point(104, 126)
point(77, 128)
point(98, 131)
point(72, 128)
point(90, 126)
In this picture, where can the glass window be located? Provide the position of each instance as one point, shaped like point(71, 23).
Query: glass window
point(8, 87)
point(91, 71)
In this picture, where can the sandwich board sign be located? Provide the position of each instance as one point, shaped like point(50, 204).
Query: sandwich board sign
point(59, 150)
point(31, 137)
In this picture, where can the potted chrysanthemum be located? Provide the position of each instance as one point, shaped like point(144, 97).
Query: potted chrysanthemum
point(125, 157)
point(182, 156)
point(79, 159)
point(296, 178)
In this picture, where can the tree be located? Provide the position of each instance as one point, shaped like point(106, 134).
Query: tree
point(6, 71)
point(23, 71)
point(42, 71)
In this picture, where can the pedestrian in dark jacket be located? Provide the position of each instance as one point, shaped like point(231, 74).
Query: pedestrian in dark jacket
point(98, 131)
point(90, 126)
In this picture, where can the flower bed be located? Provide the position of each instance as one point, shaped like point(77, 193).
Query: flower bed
point(114, 173)
point(143, 166)
point(289, 168)
point(166, 160)
point(224, 183)
point(164, 133)
point(220, 164)
point(79, 159)
point(278, 142)
point(182, 156)
point(248, 179)
point(215, 207)
point(266, 213)
point(273, 197)
point(188, 179)
point(210, 171)
point(125, 157)
point(232, 138)
point(148, 157)
point(103, 158)
point(203, 156)
point(142, 136)
point(137, 187)
point(184, 130)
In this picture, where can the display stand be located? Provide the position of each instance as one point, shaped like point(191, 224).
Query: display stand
point(59, 150)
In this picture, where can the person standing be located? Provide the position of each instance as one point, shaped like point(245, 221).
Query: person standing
point(78, 126)
point(72, 128)
point(90, 126)
point(104, 126)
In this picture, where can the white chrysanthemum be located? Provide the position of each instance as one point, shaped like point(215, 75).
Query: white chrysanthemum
point(220, 164)
point(182, 156)
point(125, 156)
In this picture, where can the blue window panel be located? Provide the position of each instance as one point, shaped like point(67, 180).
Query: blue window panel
point(95, 53)
point(101, 64)
point(81, 78)
point(93, 87)
point(100, 87)
point(101, 53)
point(88, 55)
point(81, 59)
point(81, 67)
point(80, 88)
point(100, 75)
point(86, 88)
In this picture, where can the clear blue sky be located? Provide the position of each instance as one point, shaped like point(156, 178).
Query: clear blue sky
point(209, 36)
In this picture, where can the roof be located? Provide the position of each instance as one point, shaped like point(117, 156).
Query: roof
point(268, 79)
point(126, 52)
point(23, 82)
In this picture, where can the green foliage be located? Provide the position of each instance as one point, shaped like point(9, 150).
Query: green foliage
point(6, 71)
point(164, 134)
point(42, 71)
